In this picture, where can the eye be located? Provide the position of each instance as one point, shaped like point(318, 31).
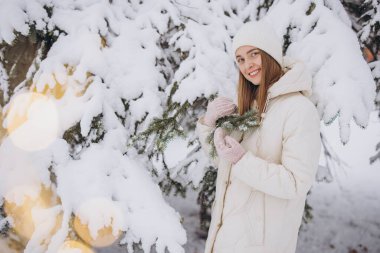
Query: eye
point(254, 53)
point(240, 60)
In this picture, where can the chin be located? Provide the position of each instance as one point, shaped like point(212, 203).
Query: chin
point(254, 82)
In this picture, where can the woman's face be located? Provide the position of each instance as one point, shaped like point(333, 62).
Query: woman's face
point(248, 59)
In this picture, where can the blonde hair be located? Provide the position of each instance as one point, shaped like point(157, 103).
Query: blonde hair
point(271, 72)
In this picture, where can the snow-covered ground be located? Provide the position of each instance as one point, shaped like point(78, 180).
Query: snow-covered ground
point(346, 211)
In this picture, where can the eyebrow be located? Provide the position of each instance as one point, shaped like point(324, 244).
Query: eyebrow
point(247, 52)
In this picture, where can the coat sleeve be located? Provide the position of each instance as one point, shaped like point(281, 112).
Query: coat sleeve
point(301, 145)
point(203, 131)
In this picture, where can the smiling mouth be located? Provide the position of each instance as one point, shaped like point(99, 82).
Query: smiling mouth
point(254, 73)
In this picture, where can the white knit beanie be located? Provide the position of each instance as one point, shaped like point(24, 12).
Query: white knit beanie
point(261, 35)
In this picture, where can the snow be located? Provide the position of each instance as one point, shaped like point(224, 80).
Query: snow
point(3, 79)
point(117, 61)
point(12, 18)
point(346, 211)
point(332, 53)
point(109, 175)
point(370, 23)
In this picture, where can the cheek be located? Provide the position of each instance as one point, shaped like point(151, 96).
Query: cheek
point(259, 60)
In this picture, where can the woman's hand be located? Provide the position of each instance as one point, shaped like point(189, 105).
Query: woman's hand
point(227, 147)
point(218, 108)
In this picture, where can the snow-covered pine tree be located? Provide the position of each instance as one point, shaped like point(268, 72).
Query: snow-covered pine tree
point(104, 71)
point(127, 81)
point(366, 22)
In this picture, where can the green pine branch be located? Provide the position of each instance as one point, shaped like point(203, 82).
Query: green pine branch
point(234, 122)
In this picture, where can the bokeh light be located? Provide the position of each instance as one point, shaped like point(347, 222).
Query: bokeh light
point(104, 237)
point(57, 91)
point(32, 121)
point(21, 213)
point(71, 246)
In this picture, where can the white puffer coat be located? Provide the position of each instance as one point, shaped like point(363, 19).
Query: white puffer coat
point(260, 200)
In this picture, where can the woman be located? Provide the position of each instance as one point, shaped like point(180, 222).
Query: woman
point(263, 176)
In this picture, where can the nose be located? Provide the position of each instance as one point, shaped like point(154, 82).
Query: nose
point(248, 64)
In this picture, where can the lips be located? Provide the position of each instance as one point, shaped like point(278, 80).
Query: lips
point(254, 73)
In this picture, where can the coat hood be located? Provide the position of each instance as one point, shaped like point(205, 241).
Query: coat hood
point(296, 78)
